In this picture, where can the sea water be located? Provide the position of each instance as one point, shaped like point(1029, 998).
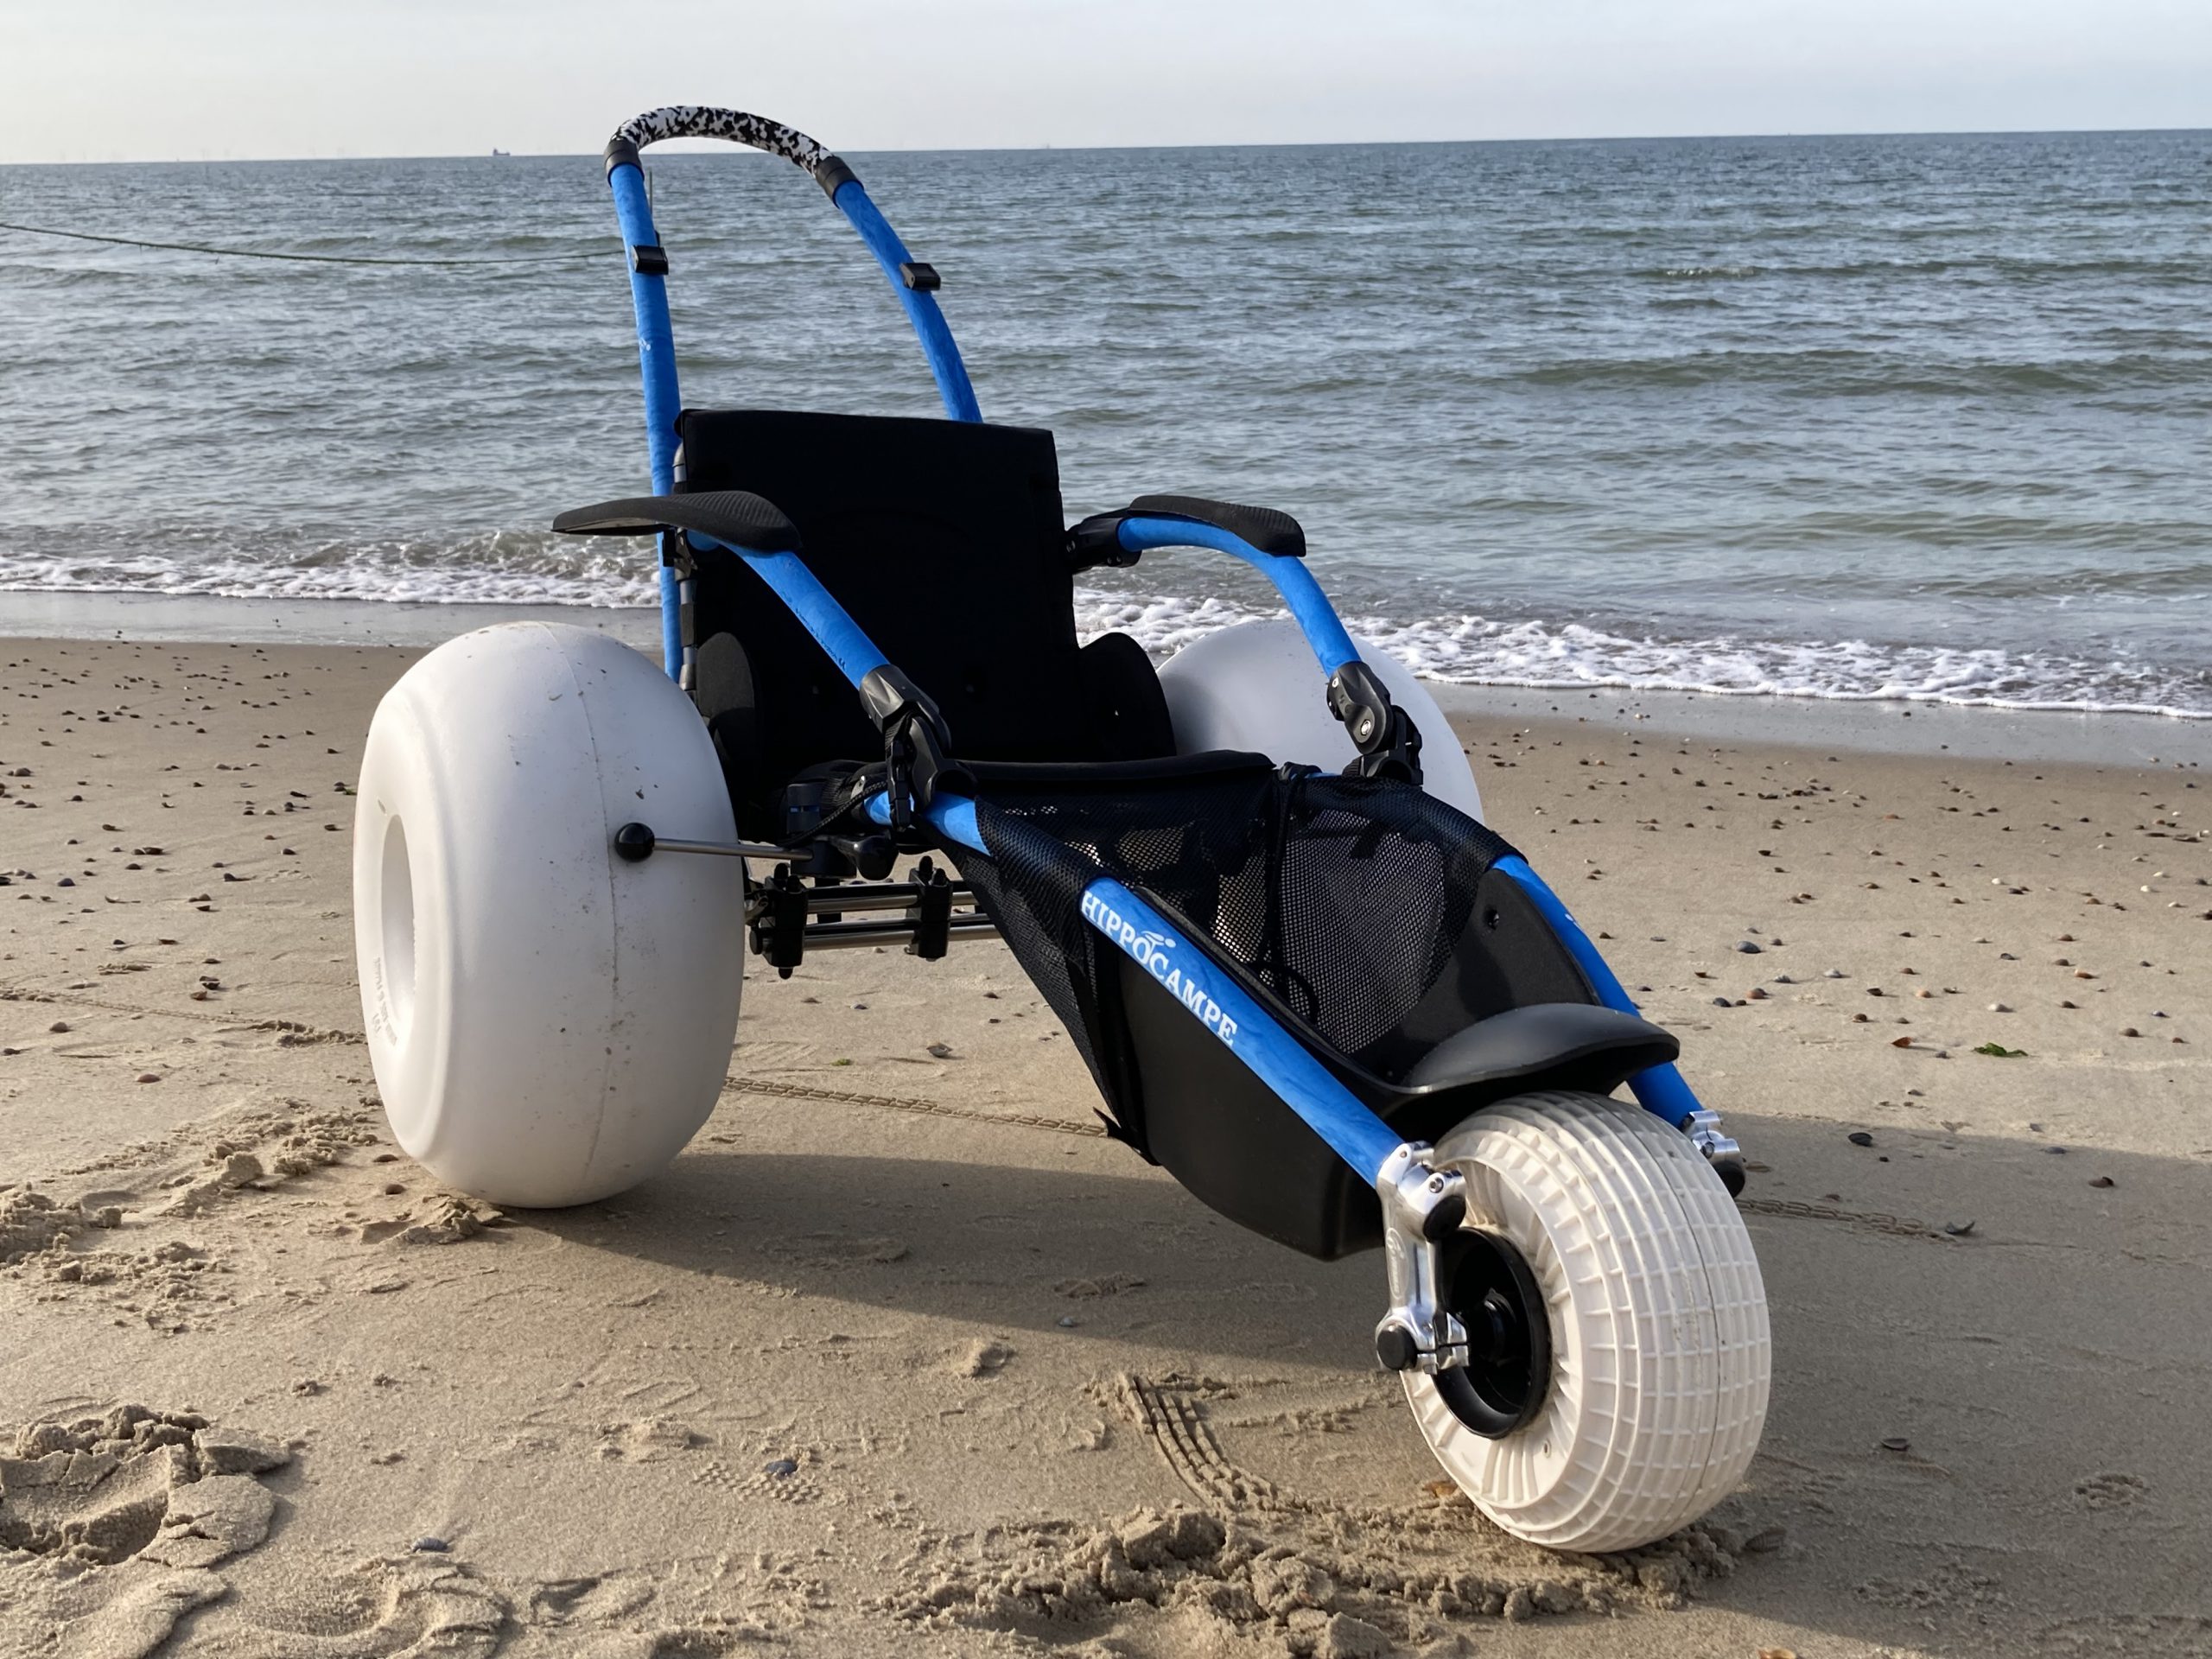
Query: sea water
point(1911, 417)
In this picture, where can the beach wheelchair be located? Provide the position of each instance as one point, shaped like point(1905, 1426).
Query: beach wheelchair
point(1253, 883)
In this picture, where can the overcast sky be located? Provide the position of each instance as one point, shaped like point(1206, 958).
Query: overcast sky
point(163, 80)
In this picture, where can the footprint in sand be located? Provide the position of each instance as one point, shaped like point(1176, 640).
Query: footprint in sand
point(135, 1506)
point(2109, 1491)
point(650, 1439)
point(399, 1605)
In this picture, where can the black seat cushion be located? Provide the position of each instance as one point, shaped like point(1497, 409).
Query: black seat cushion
point(944, 540)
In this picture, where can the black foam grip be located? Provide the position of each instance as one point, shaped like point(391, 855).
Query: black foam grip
point(1265, 528)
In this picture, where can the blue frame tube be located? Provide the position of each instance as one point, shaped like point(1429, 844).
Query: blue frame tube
point(657, 365)
point(816, 606)
point(1660, 1089)
point(945, 366)
point(1352, 1131)
point(1309, 607)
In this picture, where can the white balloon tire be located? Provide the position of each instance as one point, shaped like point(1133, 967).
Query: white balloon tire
point(1254, 686)
point(1661, 1353)
point(547, 1025)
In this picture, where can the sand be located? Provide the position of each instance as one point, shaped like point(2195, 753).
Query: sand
point(902, 1356)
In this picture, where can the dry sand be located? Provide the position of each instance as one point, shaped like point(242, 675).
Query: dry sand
point(903, 1356)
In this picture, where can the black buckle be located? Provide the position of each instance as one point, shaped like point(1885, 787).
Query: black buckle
point(1389, 743)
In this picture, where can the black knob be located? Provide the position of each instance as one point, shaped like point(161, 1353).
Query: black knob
point(1396, 1348)
point(873, 855)
point(634, 843)
point(1446, 1219)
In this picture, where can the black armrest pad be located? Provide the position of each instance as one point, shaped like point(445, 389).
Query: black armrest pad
point(736, 517)
point(1265, 528)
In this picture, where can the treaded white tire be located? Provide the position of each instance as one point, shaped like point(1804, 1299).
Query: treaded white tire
point(1254, 686)
point(548, 1024)
point(1660, 1349)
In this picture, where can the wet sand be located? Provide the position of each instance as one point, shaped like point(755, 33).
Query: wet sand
point(903, 1355)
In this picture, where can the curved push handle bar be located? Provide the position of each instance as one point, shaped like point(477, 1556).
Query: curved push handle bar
point(913, 281)
point(703, 121)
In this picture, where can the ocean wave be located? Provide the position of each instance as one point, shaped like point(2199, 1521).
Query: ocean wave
point(1541, 654)
point(517, 568)
point(496, 568)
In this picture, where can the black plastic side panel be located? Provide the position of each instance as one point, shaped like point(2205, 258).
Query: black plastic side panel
point(1239, 1149)
point(1227, 1137)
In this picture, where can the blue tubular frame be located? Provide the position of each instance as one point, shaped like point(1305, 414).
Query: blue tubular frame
point(1309, 607)
point(815, 607)
point(657, 365)
point(1353, 1131)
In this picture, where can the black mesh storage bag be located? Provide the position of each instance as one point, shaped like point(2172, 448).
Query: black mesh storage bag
point(1351, 907)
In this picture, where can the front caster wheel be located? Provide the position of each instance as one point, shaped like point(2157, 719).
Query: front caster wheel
point(1617, 1325)
point(549, 1024)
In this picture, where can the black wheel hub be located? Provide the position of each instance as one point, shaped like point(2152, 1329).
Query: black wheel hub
point(1488, 1285)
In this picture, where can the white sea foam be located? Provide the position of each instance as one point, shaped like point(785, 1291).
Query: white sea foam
point(513, 568)
point(497, 568)
point(1471, 650)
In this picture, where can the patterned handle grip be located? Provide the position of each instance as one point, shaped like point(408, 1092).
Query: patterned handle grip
point(700, 121)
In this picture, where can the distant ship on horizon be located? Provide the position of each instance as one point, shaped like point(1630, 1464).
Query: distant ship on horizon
point(497, 151)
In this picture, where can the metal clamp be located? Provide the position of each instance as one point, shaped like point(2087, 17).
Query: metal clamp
point(1703, 1128)
point(1422, 1207)
point(1387, 741)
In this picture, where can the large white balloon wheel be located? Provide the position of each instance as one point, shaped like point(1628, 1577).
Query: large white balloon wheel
point(1616, 1326)
point(549, 1024)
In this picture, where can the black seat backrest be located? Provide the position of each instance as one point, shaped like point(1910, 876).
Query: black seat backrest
point(945, 541)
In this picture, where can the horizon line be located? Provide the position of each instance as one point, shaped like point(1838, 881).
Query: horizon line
point(704, 146)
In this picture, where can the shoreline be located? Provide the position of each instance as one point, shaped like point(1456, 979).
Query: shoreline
point(1872, 726)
